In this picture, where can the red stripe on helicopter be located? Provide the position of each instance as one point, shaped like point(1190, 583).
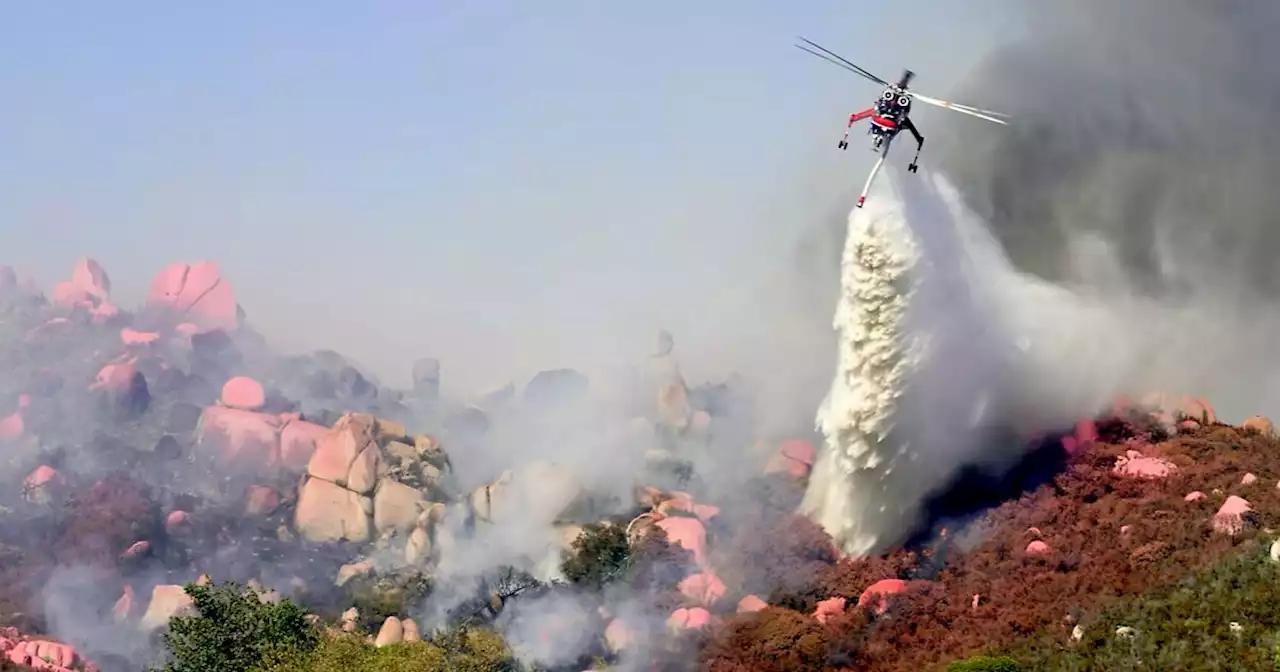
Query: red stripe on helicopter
point(885, 123)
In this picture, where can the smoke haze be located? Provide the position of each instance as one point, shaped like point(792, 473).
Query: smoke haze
point(539, 198)
point(1120, 238)
point(1142, 160)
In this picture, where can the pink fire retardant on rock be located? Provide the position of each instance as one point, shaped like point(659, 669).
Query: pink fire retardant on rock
point(67, 295)
point(1037, 548)
point(338, 449)
point(105, 312)
point(127, 605)
point(243, 393)
point(687, 533)
point(177, 523)
point(799, 450)
point(137, 550)
point(880, 591)
point(1082, 438)
point(683, 501)
point(800, 455)
point(134, 337)
point(43, 485)
point(693, 618)
point(794, 457)
point(42, 655)
point(832, 606)
point(1194, 496)
point(12, 425)
point(298, 442)
point(90, 277)
point(1137, 465)
point(115, 377)
point(705, 587)
point(260, 500)
point(248, 438)
point(88, 289)
point(751, 603)
point(42, 475)
point(1230, 519)
point(198, 293)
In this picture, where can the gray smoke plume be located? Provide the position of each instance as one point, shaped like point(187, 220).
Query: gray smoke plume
point(1142, 160)
point(1147, 123)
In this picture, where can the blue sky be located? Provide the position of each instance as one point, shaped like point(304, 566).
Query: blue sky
point(509, 186)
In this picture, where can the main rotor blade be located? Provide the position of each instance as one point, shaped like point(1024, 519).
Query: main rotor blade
point(833, 57)
point(946, 103)
point(842, 65)
point(965, 109)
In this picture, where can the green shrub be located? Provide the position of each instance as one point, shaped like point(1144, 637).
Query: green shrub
point(472, 650)
point(349, 653)
point(232, 631)
point(600, 554)
point(476, 650)
point(1185, 626)
point(985, 664)
point(376, 597)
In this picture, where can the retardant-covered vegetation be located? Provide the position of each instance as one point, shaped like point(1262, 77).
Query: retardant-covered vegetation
point(1135, 578)
point(1118, 550)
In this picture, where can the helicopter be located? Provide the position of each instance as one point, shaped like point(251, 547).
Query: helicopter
point(891, 113)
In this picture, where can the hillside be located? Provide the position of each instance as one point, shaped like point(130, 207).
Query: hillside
point(168, 447)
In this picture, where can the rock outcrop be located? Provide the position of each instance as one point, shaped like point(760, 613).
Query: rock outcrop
point(367, 480)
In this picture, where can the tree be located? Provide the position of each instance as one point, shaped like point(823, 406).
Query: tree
point(601, 554)
point(492, 594)
point(656, 568)
point(233, 630)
